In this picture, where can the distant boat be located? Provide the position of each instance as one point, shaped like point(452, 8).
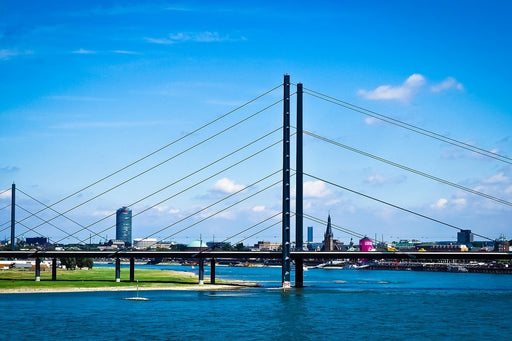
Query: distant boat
point(137, 298)
point(456, 268)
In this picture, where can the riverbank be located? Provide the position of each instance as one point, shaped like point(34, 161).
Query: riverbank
point(102, 279)
point(187, 287)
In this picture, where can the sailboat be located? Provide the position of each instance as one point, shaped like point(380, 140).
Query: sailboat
point(137, 298)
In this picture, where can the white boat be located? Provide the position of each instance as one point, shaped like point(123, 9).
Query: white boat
point(137, 298)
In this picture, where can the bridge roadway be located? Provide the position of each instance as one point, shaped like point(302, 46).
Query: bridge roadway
point(246, 255)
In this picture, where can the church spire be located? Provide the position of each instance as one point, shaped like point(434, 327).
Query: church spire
point(328, 244)
point(328, 231)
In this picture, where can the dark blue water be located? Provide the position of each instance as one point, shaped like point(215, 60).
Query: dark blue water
point(336, 304)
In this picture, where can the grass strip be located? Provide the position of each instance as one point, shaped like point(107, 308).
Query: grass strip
point(93, 278)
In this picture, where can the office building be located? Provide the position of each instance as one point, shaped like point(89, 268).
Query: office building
point(464, 237)
point(310, 234)
point(124, 225)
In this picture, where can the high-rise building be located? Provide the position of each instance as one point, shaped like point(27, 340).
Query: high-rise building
point(124, 225)
point(464, 237)
point(310, 234)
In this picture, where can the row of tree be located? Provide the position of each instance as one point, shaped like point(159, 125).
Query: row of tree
point(72, 263)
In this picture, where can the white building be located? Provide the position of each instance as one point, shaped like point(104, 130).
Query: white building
point(144, 243)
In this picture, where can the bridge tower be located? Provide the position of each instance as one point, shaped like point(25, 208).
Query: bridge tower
point(286, 265)
point(13, 216)
point(299, 207)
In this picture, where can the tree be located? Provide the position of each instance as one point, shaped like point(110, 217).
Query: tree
point(239, 247)
point(85, 263)
point(69, 263)
point(227, 247)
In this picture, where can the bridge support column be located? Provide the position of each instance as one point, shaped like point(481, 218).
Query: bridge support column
point(201, 271)
point(299, 273)
point(299, 207)
point(54, 269)
point(132, 269)
point(13, 217)
point(38, 269)
point(118, 270)
point(212, 271)
point(286, 260)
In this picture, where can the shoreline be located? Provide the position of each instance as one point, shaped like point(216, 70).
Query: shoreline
point(184, 287)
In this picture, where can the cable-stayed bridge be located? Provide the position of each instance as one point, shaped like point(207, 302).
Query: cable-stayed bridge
point(265, 156)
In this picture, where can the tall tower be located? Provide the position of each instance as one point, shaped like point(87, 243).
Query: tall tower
point(310, 234)
point(124, 225)
point(328, 237)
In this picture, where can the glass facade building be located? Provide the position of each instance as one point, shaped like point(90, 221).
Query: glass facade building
point(310, 234)
point(124, 225)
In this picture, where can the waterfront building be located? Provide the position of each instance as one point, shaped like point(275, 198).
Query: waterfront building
point(448, 248)
point(328, 244)
point(163, 245)
point(310, 234)
point(267, 246)
point(124, 225)
point(37, 241)
point(464, 237)
point(407, 245)
point(197, 245)
point(501, 244)
point(144, 243)
point(365, 244)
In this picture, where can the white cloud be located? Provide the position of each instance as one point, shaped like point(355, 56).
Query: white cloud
point(402, 92)
point(443, 203)
point(6, 54)
point(260, 208)
point(440, 204)
point(497, 179)
point(197, 37)
point(315, 189)
point(380, 179)
point(226, 185)
point(166, 209)
point(459, 202)
point(83, 51)
point(5, 195)
point(125, 52)
point(414, 80)
point(372, 121)
point(448, 83)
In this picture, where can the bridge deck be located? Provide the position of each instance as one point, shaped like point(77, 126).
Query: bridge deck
point(258, 255)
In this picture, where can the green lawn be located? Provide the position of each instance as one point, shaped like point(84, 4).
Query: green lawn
point(96, 277)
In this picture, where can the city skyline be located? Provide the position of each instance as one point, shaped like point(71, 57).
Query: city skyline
point(89, 88)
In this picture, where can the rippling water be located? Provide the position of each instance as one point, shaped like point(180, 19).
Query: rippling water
point(335, 304)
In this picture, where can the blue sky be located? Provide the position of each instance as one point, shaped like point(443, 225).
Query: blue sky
point(86, 88)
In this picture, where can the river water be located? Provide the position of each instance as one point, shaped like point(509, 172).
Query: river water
point(335, 304)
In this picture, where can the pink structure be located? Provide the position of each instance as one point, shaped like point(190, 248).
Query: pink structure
point(365, 244)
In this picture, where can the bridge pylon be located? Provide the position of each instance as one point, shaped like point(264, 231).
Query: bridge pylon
point(286, 265)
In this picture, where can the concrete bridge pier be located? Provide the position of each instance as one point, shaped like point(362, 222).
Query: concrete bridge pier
point(201, 271)
point(118, 270)
point(212, 271)
point(38, 269)
point(54, 269)
point(132, 269)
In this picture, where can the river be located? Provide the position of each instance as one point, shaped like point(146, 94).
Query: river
point(335, 304)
